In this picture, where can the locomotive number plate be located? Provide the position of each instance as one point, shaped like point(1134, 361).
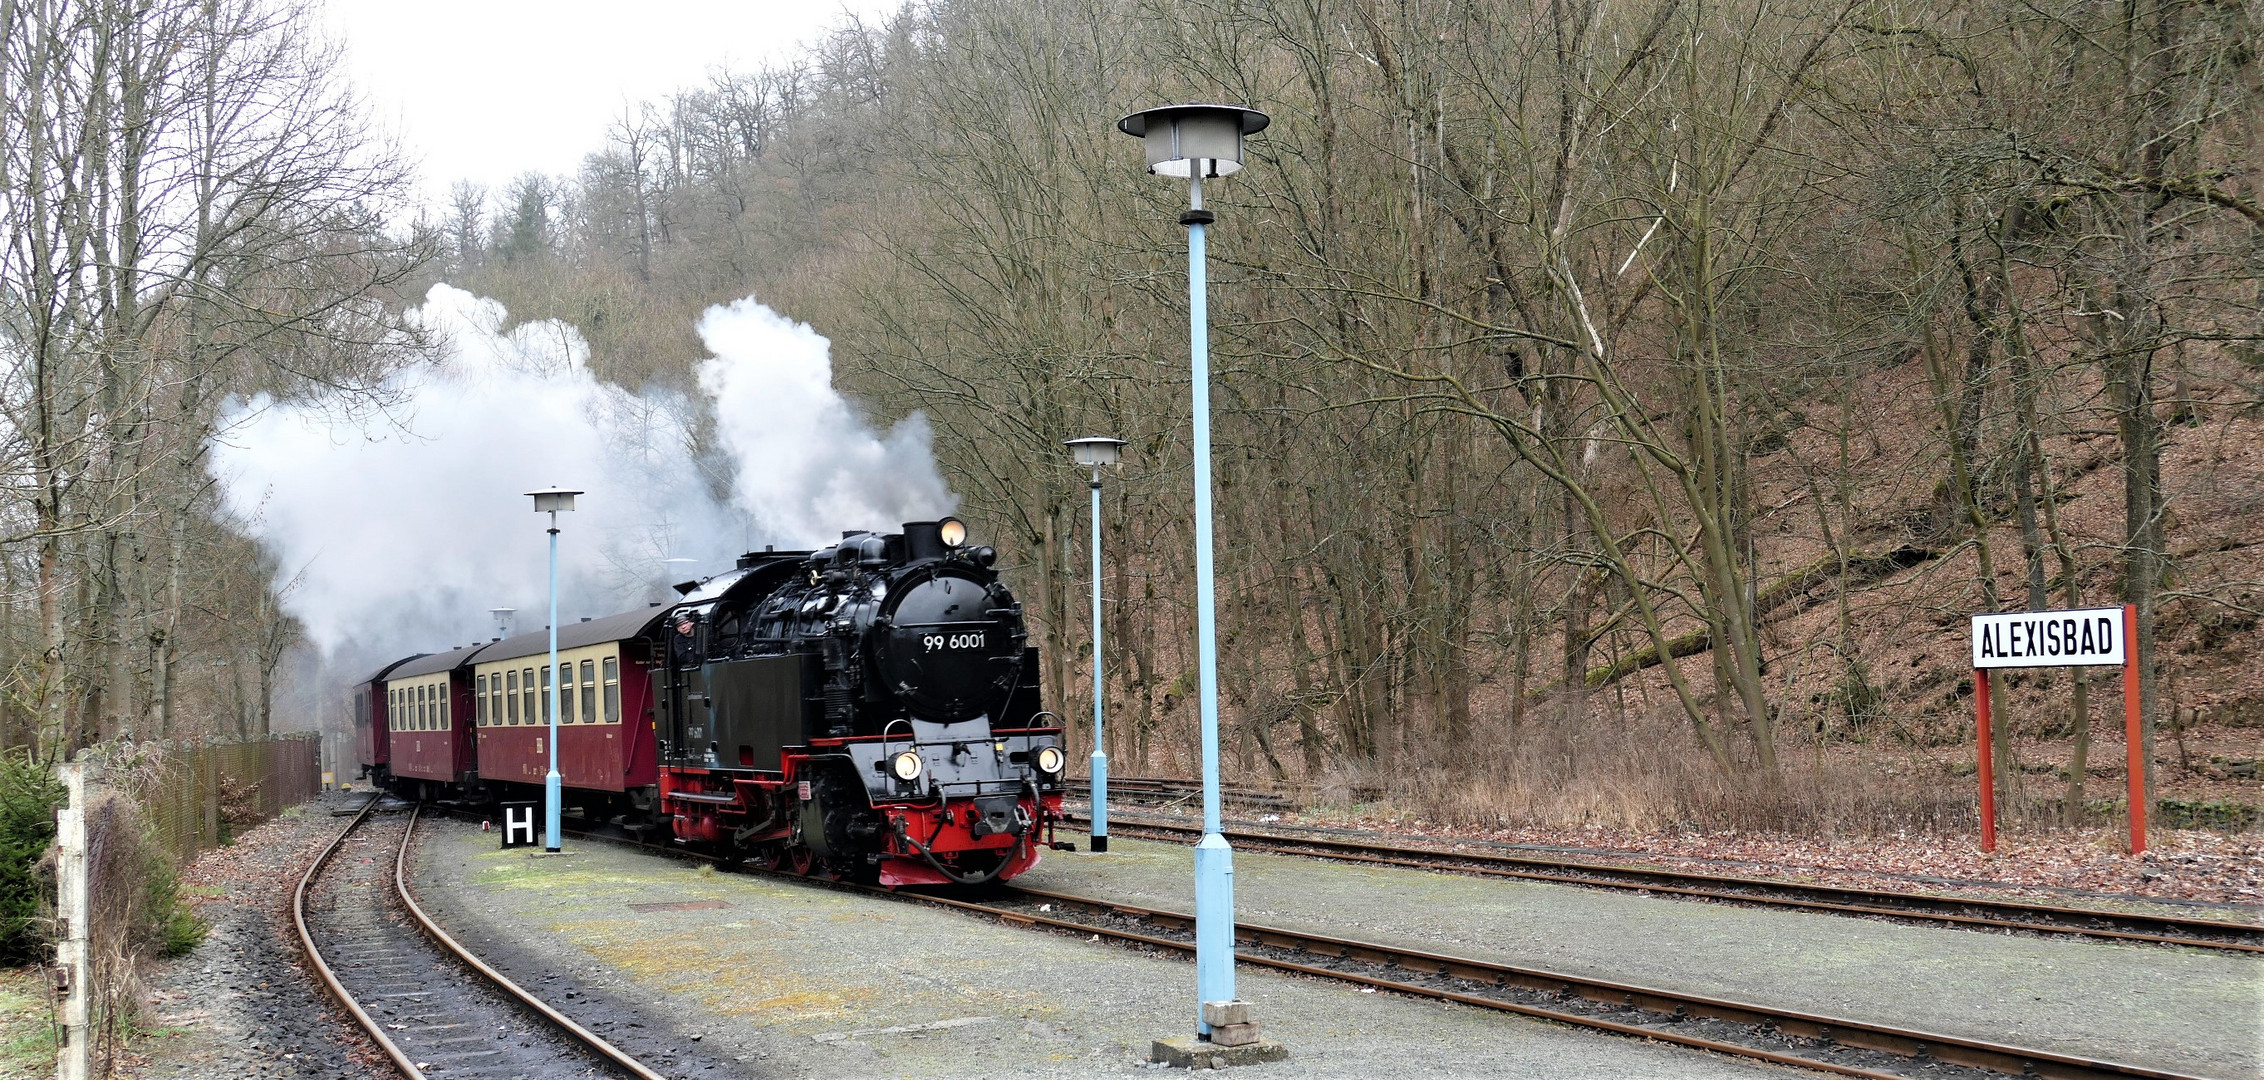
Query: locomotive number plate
point(803, 789)
point(942, 642)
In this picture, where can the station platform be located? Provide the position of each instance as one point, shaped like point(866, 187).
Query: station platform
point(744, 975)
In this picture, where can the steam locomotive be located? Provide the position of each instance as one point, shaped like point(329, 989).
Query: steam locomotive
point(869, 710)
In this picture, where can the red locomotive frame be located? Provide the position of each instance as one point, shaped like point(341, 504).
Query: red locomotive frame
point(710, 806)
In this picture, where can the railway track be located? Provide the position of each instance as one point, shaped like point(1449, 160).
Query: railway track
point(1168, 790)
point(1827, 1044)
point(1786, 1037)
point(1955, 911)
point(437, 1011)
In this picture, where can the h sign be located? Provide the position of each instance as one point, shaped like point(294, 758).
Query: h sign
point(2085, 637)
point(518, 824)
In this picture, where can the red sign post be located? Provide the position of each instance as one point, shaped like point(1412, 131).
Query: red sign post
point(2084, 637)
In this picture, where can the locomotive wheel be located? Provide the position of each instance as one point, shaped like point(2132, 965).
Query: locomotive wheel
point(801, 860)
point(771, 856)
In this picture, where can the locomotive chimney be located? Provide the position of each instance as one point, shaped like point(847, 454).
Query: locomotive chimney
point(924, 540)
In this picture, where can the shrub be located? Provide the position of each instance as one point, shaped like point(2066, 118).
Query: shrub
point(174, 927)
point(29, 796)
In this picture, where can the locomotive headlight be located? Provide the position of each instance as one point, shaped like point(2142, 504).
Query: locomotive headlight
point(907, 765)
point(953, 531)
point(1050, 759)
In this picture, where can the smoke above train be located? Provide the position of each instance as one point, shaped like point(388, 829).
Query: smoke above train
point(426, 491)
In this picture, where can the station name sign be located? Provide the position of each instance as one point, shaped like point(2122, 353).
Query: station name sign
point(2081, 637)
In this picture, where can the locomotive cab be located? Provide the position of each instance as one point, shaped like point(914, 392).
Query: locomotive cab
point(869, 709)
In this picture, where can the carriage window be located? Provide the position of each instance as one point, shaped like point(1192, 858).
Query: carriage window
point(429, 708)
point(511, 702)
point(446, 715)
point(479, 701)
point(589, 691)
point(392, 708)
point(494, 700)
point(566, 693)
point(612, 690)
point(545, 694)
point(527, 693)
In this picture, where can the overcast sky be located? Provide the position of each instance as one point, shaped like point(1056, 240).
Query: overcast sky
point(484, 90)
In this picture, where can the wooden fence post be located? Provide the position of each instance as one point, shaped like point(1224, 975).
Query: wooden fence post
point(208, 777)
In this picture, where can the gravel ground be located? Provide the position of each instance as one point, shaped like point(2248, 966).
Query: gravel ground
point(776, 979)
point(2185, 1010)
point(240, 1005)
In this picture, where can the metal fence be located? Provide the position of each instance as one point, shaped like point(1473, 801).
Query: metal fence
point(198, 797)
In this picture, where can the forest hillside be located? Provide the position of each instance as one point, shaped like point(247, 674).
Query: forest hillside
point(1550, 339)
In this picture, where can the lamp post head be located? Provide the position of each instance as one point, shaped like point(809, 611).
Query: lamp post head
point(553, 500)
point(1095, 450)
point(1194, 139)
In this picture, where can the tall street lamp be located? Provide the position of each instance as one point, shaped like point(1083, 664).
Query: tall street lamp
point(551, 501)
point(1095, 451)
point(1196, 142)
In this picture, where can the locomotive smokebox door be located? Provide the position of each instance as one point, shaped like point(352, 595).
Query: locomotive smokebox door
point(519, 824)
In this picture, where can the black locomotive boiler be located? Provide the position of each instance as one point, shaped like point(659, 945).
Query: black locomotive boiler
point(868, 710)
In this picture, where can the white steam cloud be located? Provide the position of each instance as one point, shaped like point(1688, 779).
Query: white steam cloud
point(399, 533)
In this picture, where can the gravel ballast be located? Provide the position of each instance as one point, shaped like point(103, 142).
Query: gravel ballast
point(240, 1005)
point(777, 978)
point(2175, 1009)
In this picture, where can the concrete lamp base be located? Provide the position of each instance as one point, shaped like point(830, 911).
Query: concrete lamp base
point(1190, 1052)
point(1233, 1040)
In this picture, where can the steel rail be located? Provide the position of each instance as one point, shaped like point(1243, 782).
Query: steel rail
point(376, 1030)
point(1670, 1005)
point(2130, 926)
point(502, 982)
point(370, 1026)
point(1149, 787)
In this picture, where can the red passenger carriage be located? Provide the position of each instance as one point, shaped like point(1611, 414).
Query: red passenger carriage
point(606, 757)
point(428, 708)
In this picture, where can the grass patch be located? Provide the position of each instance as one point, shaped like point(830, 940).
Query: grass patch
point(2220, 814)
point(27, 1031)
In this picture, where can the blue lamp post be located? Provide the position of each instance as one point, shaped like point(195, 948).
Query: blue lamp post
point(1095, 451)
point(1199, 142)
point(552, 501)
